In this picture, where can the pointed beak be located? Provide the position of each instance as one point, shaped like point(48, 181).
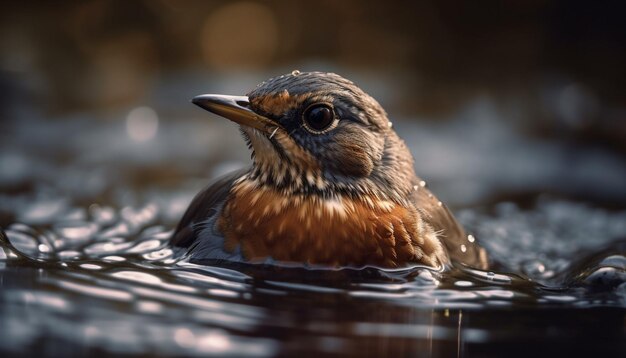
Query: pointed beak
point(235, 108)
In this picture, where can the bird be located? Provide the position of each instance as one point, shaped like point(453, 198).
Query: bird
point(331, 184)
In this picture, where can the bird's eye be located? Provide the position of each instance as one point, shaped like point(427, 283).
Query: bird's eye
point(318, 118)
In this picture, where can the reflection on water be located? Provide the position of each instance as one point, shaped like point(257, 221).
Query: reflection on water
point(106, 279)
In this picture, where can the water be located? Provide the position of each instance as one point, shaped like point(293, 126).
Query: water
point(85, 267)
point(105, 280)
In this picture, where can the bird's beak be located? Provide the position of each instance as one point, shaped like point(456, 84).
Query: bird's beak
point(235, 108)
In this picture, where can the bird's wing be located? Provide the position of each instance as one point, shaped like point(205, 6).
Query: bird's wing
point(450, 232)
point(204, 206)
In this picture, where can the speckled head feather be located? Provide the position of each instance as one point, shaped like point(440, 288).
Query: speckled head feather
point(279, 95)
point(358, 154)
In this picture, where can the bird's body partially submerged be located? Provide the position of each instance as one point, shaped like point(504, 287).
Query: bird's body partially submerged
point(331, 184)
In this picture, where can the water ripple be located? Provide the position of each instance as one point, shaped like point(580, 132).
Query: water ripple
point(93, 266)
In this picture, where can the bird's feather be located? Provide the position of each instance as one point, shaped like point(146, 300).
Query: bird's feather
point(204, 206)
point(450, 232)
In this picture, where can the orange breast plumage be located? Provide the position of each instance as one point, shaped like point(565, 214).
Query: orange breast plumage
point(338, 231)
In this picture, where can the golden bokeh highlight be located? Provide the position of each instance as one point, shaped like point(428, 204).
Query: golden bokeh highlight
point(240, 35)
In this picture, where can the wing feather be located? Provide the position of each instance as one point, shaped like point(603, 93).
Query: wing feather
point(204, 206)
point(451, 233)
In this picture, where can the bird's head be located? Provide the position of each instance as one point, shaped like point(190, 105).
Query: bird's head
point(318, 133)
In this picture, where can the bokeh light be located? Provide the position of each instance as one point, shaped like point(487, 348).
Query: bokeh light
point(142, 124)
point(241, 34)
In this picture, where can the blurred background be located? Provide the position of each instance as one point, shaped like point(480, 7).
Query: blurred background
point(497, 99)
point(515, 112)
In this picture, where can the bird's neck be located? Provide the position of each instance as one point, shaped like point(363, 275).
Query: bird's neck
point(391, 179)
point(322, 185)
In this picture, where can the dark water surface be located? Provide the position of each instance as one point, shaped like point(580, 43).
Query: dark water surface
point(106, 281)
point(85, 267)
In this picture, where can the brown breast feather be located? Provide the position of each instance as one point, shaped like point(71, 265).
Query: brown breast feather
point(338, 232)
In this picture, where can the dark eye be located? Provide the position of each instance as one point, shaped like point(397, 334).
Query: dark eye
point(318, 117)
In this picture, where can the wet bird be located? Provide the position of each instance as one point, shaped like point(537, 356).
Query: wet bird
point(331, 184)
